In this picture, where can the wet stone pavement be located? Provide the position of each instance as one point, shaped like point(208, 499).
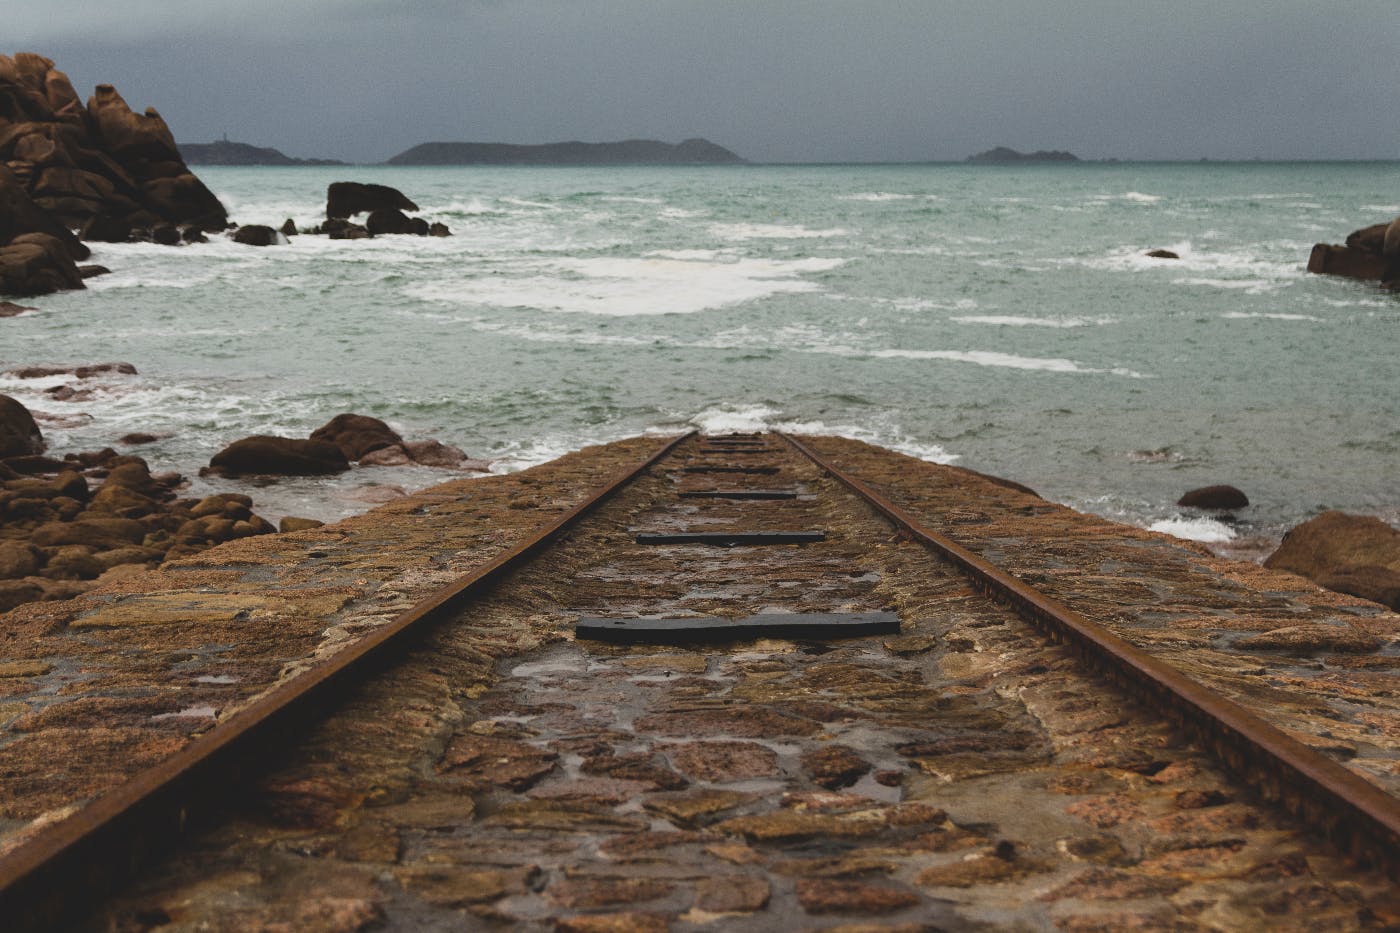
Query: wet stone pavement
point(961, 775)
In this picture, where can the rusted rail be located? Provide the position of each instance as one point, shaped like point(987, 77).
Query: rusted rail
point(63, 869)
point(1357, 816)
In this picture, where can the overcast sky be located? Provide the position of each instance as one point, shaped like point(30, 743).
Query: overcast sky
point(774, 80)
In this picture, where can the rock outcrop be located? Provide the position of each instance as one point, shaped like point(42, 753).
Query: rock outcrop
point(345, 199)
point(1371, 254)
point(256, 235)
point(99, 168)
point(371, 442)
point(65, 523)
point(1354, 554)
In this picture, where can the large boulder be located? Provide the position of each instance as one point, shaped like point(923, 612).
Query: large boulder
point(37, 264)
point(357, 435)
point(347, 198)
point(1354, 554)
point(19, 434)
point(1371, 254)
point(20, 215)
point(282, 456)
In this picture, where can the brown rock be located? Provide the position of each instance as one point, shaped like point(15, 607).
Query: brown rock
point(347, 198)
point(266, 454)
point(388, 220)
point(1110, 885)
point(1214, 497)
point(1326, 259)
point(829, 896)
point(10, 309)
point(629, 922)
point(97, 533)
point(438, 229)
point(436, 454)
point(634, 767)
point(735, 894)
point(386, 456)
point(721, 762)
point(256, 235)
point(19, 215)
point(137, 438)
point(289, 227)
point(18, 592)
point(453, 886)
point(489, 761)
point(18, 559)
point(696, 808)
point(19, 434)
point(37, 264)
point(1336, 543)
point(357, 435)
point(739, 721)
point(1162, 254)
point(588, 893)
point(291, 523)
point(1306, 639)
point(1373, 582)
point(834, 766)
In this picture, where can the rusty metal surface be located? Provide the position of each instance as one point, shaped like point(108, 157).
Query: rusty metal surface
point(108, 839)
point(1354, 814)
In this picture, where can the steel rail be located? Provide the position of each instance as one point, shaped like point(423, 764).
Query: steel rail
point(1357, 816)
point(64, 868)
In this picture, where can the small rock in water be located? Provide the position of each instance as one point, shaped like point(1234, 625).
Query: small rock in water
point(10, 309)
point(1214, 497)
point(289, 227)
point(1162, 254)
point(256, 235)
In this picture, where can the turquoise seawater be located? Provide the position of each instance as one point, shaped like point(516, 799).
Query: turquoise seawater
point(1002, 318)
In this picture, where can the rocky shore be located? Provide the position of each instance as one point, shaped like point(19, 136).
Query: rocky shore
point(1371, 254)
point(74, 521)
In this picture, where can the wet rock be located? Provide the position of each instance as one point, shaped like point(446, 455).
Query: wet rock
point(734, 894)
point(739, 721)
point(695, 808)
point(1370, 254)
point(986, 868)
point(286, 456)
point(438, 229)
point(488, 761)
point(37, 264)
point(357, 435)
point(292, 523)
point(1214, 497)
point(1161, 254)
point(628, 922)
point(391, 221)
point(1106, 884)
point(289, 227)
point(1307, 639)
point(347, 198)
point(10, 309)
point(721, 762)
point(341, 229)
point(93, 271)
point(834, 766)
point(256, 235)
point(166, 235)
point(19, 434)
point(829, 896)
point(453, 886)
point(98, 533)
point(437, 454)
point(634, 767)
point(386, 456)
point(588, 893)
point(137, 438)
point(1353, 550)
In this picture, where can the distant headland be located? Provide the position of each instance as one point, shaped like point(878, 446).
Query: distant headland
point(625, 152)
point(227, 152)
point(1003, 154)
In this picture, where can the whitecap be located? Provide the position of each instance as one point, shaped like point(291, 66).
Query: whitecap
point(773, 232)
point(631, 286)
point(1279, 316)
point(1010, 320)
point(1136, 197)
point(876, 197)
point(1205, 530)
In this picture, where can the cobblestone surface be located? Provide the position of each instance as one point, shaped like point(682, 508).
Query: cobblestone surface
point(960, 775)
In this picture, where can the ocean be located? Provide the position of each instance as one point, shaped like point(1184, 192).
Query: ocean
point(1003, 318)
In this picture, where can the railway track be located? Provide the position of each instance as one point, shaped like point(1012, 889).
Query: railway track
point(819, 775)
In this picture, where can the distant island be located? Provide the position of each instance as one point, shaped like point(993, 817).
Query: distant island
point(626, 152)
point(1003, 154)
point(226, 152)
